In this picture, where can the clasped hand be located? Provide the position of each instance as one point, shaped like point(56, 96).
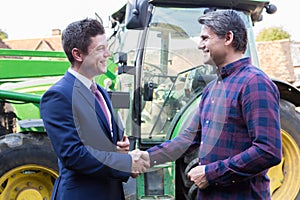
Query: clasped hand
point(140, 159)
point(140, 162)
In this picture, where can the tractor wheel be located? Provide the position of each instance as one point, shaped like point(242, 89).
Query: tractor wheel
point(28, 167)
point(185, 189)
point(285, 177)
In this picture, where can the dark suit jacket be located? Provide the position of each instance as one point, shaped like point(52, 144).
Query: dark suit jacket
point(89, 166)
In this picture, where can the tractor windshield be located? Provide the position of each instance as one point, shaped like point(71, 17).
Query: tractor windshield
point(173, 72)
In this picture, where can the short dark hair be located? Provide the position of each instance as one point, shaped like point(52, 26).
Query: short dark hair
point(78, 35)
point(223, 21)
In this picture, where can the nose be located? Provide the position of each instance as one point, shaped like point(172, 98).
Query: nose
point(107, 53)
point(201, 45)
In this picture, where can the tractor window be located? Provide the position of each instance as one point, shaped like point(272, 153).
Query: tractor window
point(170, 58)
point(127, 41)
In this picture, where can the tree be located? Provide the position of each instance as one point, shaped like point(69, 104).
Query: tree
point(3, 35)
point(271, 34)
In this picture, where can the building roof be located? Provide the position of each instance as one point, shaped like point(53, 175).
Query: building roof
point(51, 43)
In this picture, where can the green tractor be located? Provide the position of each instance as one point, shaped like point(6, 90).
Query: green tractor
point(155, 78)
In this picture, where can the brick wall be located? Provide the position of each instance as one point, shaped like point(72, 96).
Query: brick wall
point(276, 60)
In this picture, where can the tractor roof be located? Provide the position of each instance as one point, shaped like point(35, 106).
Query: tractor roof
point(254, 7)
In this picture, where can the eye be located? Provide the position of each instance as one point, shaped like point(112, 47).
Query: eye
point(204, 38)
point(101, 48)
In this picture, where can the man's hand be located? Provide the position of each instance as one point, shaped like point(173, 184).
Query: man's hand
point(123, 145)
point(140, 162)
point(197, 175)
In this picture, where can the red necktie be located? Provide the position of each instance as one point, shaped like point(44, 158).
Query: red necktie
point(102, 103)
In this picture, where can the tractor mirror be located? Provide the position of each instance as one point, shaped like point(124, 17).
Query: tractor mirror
point(136, 14)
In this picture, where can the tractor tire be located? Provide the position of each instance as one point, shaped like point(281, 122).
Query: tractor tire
point(28, 167)
point(285, 177)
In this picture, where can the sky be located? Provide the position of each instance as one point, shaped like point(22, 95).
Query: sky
point(22, 19)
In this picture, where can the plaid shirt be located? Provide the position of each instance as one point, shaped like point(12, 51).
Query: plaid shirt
point(240, 140)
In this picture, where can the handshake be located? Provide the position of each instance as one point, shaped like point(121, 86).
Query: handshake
point(140, 162)
point(140, 159)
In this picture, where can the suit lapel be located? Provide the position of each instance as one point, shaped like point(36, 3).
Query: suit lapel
point(93, 103)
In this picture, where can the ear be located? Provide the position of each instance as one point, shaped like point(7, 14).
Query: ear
point(229, 37)
point(77, 55)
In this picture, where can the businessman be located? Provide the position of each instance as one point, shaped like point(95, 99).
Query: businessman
point(92, 151)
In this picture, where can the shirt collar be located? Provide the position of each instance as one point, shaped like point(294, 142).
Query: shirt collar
point(234, 66)
point(87, 82)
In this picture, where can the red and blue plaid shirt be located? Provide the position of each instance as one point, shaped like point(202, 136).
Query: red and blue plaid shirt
point(240, 134)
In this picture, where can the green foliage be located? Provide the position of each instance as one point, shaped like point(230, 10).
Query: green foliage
point(3, 35)
point(272, 33)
